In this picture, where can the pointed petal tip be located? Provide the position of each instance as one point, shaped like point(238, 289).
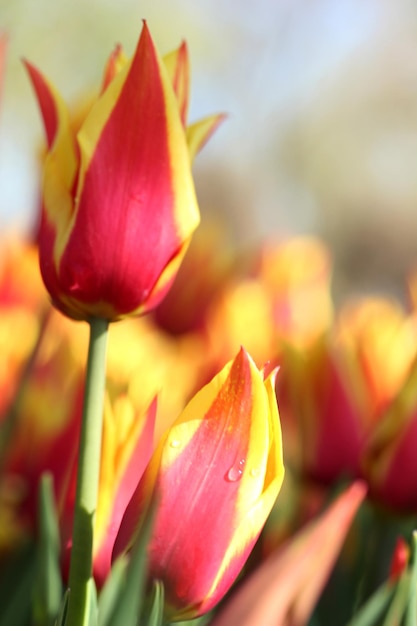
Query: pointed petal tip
point(243, 355)
point(30, 68)
point(271, 372)
point(183, 51)
point(200, 132)
point(145, 30)
point(152, 408)
point(357, 490)
point(145, 36)
point(46, 101)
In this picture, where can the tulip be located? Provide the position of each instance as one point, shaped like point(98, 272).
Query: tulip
point(330, 433)
point(379, 343)
point(341, 387)
point(379, 340)
point(127, 446)
point(296, 274)
point(119, 205)
point(45, 429)
point(389, 460)
point(215, 477)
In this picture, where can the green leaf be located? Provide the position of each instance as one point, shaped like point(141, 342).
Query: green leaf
point(16, 587)
point(92, 605)
point(111, 591)
point(62, 615)
point(375, 606)
point(398, 606)
point(198, 621)
point(129, 603)
point(156, 612)
point(47, 591)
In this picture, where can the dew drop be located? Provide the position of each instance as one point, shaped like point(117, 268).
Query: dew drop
point(175, 443)
point(254, 472)
point(235, 472)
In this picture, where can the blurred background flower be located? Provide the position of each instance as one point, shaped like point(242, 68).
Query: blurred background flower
point(321, 135)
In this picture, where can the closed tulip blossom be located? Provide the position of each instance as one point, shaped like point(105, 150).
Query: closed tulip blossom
point(341, 388)
point(215, 477)
point(119, 204)
point(389, 460)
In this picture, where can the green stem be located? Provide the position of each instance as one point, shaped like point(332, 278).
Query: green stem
point(80, 577)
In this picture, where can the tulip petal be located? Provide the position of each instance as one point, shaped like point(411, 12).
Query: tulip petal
point(251, 523)
point(124, 458)
point(286, 587)
point(212, 448)
point(61, 163)
point(200, 132)
point(117, 61)
point(47, 102)
point(178, 67)
point(332, 432)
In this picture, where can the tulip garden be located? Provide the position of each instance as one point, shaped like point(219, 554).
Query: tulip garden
point(191, 432)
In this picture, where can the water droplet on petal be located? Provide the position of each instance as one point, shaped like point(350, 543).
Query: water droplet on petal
point(255, 471)
point(175, 443)
point(235, 472)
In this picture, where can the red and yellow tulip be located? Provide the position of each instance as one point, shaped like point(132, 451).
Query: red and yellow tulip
point(119, 205)
point(215, 476)
point(296, 274)
point(340, 388)
point(389, 461)
point(126, 449)
point(378, 340)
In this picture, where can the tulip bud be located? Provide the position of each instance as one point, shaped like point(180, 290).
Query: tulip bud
point(119, 205)
point(389, 460)
point(215, 477)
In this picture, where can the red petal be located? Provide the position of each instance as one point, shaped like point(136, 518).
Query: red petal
point(127, 205)
point(133, 473)
point(46, 102)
